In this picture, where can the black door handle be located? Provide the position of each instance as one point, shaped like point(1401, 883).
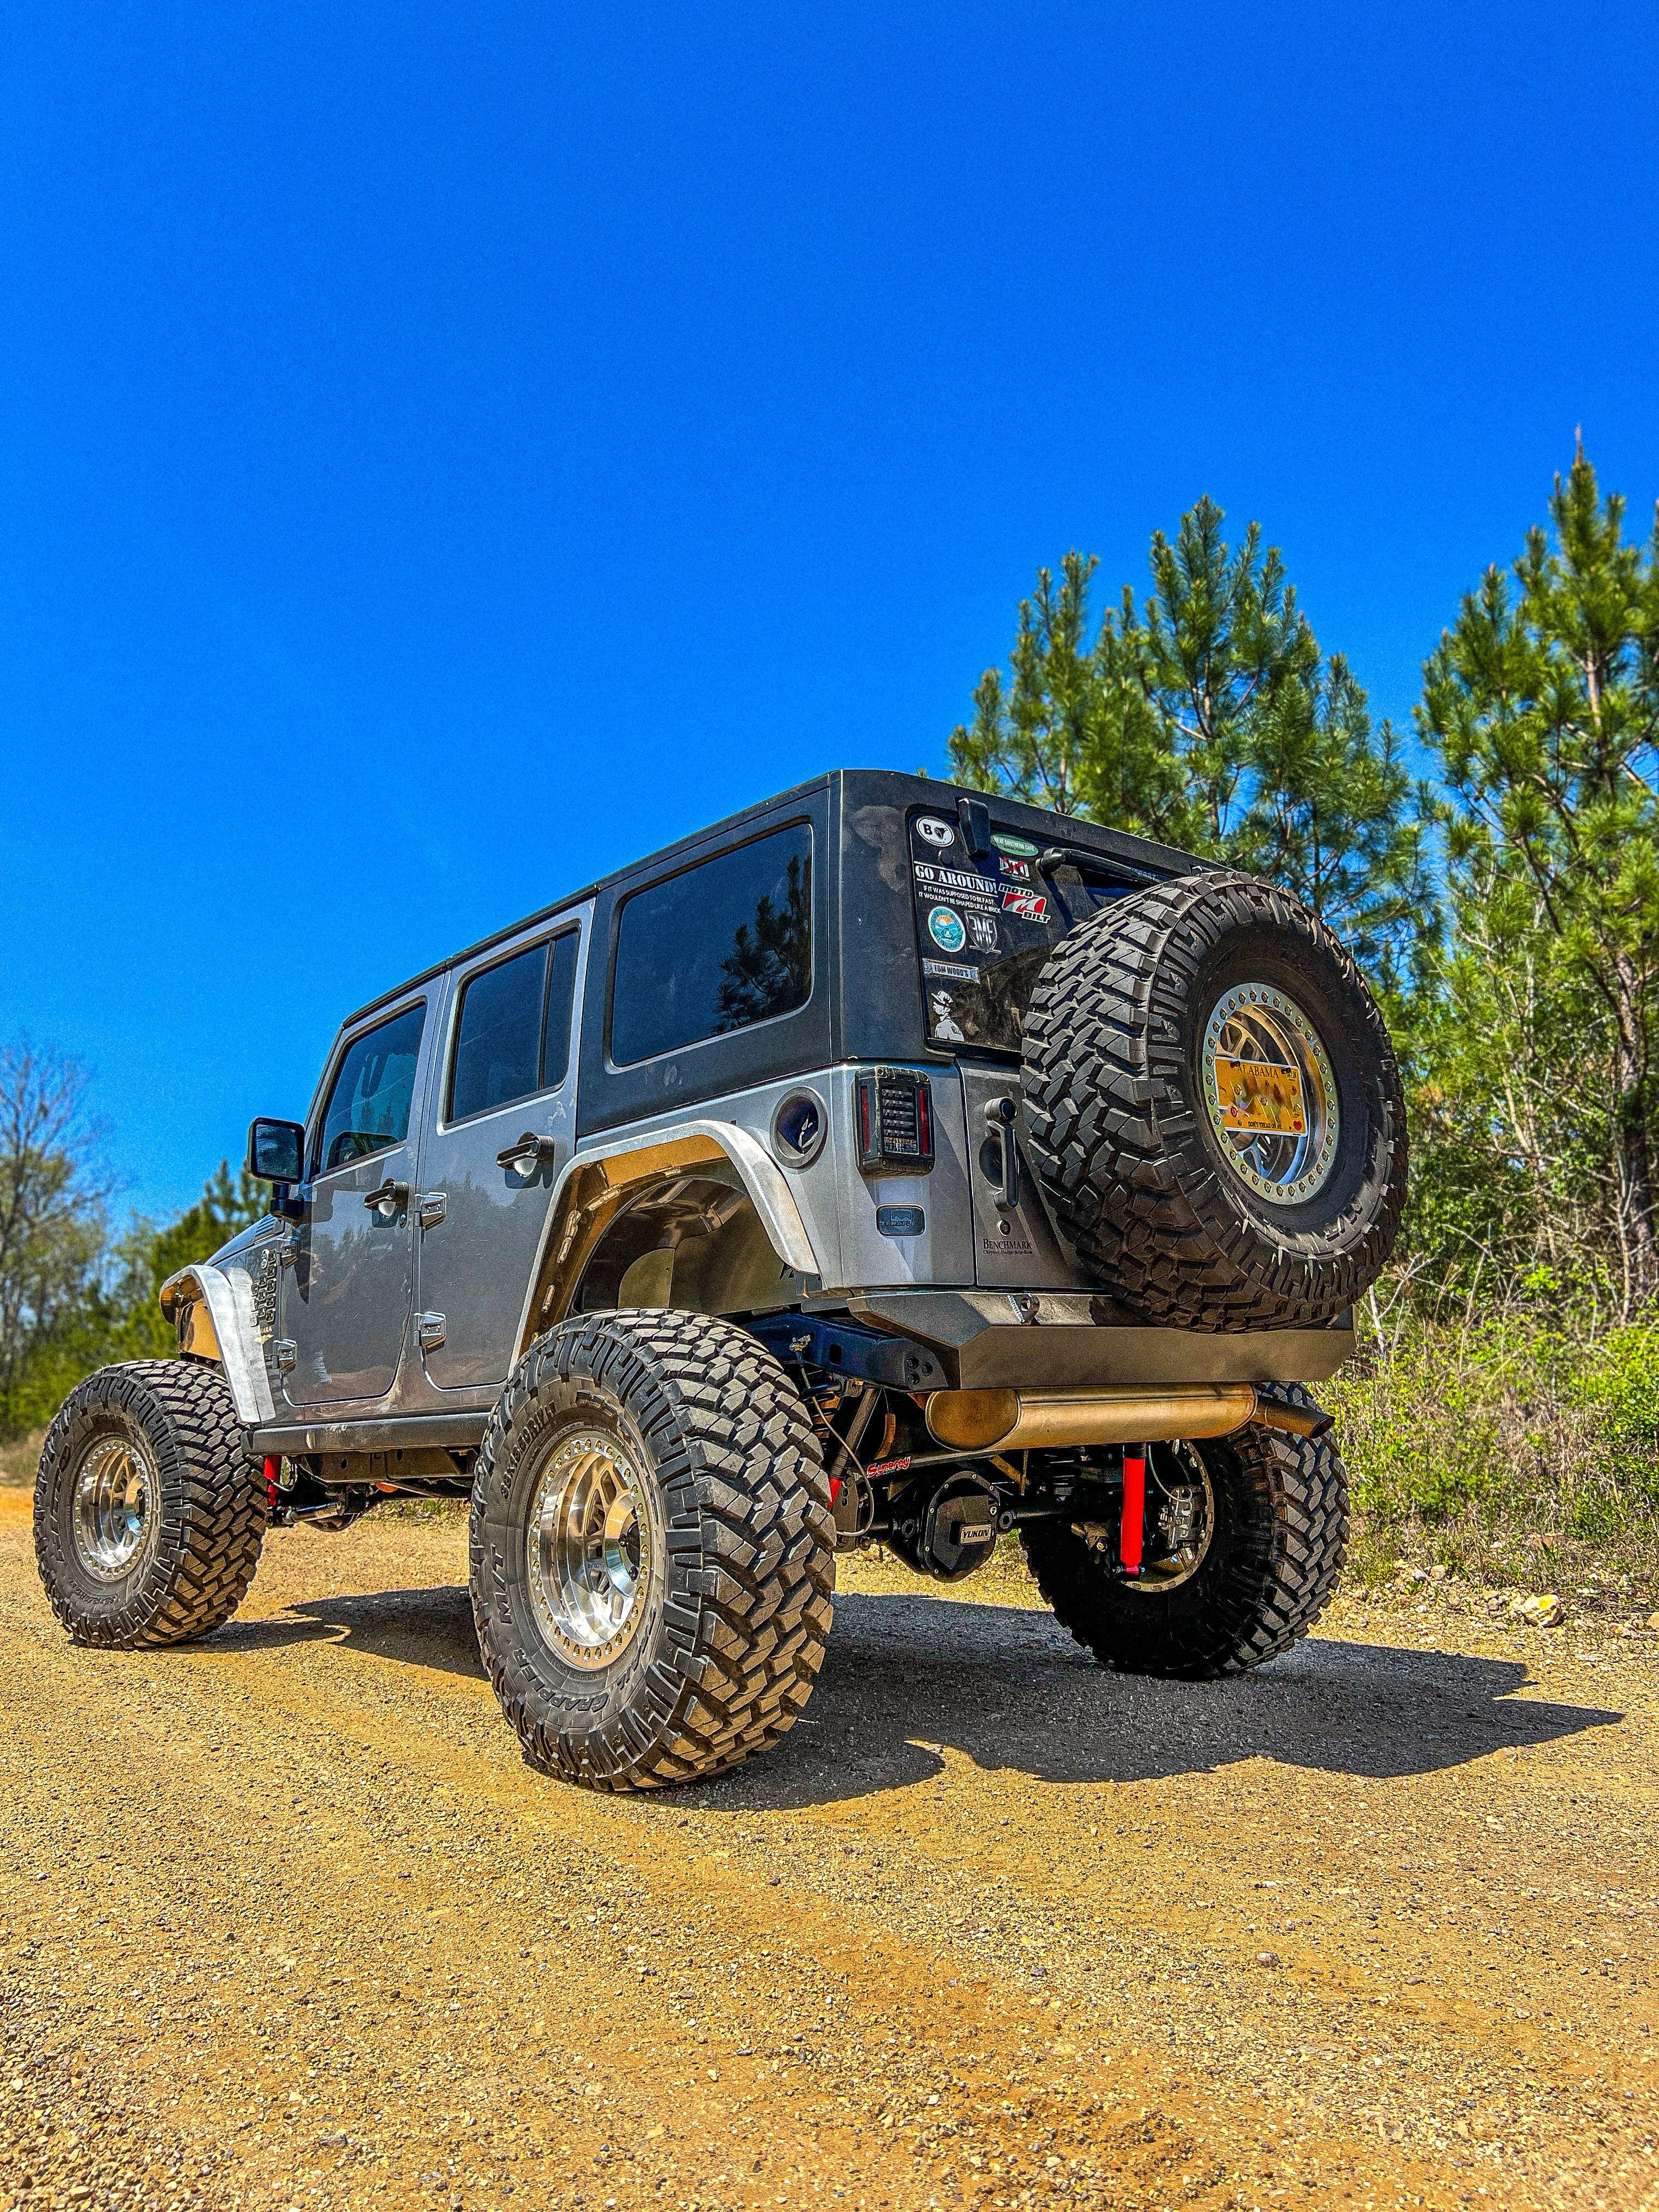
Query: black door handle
point(529, 1153)
point(387, 1200)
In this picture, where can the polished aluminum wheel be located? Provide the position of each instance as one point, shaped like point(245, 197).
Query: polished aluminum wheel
point(589, 1547)
point(1271, 1094)
point(118, 1508)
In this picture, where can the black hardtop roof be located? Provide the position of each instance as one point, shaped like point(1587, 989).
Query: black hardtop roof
point(918, 790)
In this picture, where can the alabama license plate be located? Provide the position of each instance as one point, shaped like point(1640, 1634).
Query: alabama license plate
point(1254, 1095)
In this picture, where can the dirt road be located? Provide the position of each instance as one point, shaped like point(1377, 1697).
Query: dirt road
point(286, 1922)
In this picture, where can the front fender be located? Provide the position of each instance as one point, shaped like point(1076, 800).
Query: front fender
point(594, 1185)
point(228, 1294)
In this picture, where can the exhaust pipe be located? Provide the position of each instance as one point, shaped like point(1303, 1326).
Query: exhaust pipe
point(1021, 1420)
point(1018, 1420)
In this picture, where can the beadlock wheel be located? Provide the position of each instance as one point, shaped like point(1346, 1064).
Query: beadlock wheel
point(589, 1567)
point(1271, 1093)
point(117, 1508)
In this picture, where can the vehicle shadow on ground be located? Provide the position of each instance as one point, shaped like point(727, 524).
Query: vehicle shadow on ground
point(907, 1679)
point(417, 1627)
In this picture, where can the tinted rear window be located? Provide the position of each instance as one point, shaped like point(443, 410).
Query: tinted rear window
point(498, 1040)
point(514, 1035)
point(719, 948)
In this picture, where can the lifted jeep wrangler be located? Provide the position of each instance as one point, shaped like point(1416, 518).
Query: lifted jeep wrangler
point(888, 1165)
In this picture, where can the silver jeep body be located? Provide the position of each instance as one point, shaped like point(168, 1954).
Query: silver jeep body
point(374, 1324)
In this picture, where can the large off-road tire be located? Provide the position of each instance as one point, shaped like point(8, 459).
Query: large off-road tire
point(1123, 1039)
point(653, 1557)
point(1275, 1553)
point(149, 1513)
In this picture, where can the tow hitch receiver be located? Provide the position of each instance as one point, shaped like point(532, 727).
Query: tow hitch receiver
point(1132, 1528)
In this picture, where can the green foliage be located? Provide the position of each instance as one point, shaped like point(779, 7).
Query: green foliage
point(1503, 1448)
point(112, 1313)
point(1543, 704)
point(149, 1253)
point(1209, 718)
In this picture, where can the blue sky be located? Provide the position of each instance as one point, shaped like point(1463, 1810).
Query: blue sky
point(445, 453)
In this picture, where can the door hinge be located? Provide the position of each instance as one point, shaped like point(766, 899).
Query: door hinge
point(286, 1352)
point(431, 1327)
point(431, 1208)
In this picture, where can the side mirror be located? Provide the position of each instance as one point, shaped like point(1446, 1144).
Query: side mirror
point(276, 1151)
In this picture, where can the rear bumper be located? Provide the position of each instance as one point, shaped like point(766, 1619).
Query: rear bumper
point(1057, 1341)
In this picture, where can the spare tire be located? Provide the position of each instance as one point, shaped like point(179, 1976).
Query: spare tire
point(1213, 1108)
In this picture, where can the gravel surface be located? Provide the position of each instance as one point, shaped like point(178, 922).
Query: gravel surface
point(285, 1921)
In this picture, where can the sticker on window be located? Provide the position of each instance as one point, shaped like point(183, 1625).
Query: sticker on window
point(1004, 842)
point(945, 927)
point(932, 832)
point(1030, 905)
point(943, 1025)
point(1022, 869)
point(952, 969)
point(984, 928)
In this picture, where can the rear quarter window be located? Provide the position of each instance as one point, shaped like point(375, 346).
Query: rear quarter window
point(717, 948)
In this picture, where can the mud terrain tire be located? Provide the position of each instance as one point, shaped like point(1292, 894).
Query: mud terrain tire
point(733, 1544)
point(1141, 1180)
point(1275, 1557)
point(167, 1429)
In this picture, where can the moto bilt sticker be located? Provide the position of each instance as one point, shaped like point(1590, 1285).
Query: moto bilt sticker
point(932, 832)
point(944, 927)
point(1030, 905)
point(1022, 848)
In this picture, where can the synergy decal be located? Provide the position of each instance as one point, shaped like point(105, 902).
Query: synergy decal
point(945, 927)
point(932, 832)
point(1030, 905)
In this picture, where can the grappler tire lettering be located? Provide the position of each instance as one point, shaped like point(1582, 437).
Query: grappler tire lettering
point(1281, 1534)
point(1120, 1135)
point(739, 1587)
point(194, 1570)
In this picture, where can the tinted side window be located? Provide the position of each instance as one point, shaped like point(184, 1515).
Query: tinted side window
point(726, 945)
point(368, 1107)
point(498, 1038)
point(561, 990)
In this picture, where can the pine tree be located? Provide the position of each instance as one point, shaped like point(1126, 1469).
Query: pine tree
point(1543, 703)
point(1208, 718)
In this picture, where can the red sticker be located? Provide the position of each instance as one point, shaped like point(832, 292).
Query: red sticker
point(1030, 905)
point(1020, 868)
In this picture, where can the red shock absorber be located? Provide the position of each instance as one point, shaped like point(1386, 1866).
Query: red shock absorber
point(272, 1466)
point(1131, 1528)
